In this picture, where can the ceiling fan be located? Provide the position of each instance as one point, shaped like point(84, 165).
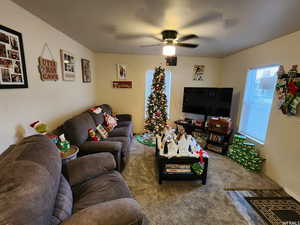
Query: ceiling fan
point(170, 41)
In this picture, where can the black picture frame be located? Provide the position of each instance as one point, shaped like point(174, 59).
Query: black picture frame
point(86, 71)
point(20, 73)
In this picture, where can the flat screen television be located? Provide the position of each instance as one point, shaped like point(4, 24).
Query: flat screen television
point(207, 101)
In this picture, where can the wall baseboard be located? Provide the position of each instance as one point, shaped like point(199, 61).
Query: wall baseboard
point(295, 196)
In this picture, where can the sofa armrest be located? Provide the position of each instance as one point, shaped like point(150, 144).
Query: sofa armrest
point(124, 117)
point(89, 166)
point(90, 147)
point(124, 211)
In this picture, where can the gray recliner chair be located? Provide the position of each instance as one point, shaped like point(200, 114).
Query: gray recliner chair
point(33, 190)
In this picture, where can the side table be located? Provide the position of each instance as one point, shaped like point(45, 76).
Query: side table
point(70, 154)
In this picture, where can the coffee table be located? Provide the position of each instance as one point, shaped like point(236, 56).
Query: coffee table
point(162, 161)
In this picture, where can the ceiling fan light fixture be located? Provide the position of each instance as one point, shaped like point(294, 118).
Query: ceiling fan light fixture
point(169, 50)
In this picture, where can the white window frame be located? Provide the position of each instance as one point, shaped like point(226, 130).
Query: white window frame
point(243, 105)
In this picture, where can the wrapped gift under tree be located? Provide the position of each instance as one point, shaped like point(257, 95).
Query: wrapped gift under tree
point(245, 153)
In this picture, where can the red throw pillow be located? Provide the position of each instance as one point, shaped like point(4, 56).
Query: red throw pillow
point(96, 110)
point(110, 122)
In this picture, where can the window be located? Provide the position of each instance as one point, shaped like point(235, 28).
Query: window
point(257, 103)
point(148, 85)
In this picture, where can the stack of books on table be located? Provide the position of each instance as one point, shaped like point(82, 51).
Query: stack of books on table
point(178, 168)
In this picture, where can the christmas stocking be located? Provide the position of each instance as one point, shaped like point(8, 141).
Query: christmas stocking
point(293, 105)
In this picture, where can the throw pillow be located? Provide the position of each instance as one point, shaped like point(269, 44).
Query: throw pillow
point(110, 122)
point(103, 133)
point(96, 110)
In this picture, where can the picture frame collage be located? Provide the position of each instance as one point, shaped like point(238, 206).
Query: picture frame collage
point(12, 60)
point(13, 67)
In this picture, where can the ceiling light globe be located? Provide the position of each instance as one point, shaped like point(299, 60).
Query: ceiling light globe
point(169, 50)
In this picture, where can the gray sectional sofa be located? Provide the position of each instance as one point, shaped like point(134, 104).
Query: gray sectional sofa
point(119, 140)
point(33, 190)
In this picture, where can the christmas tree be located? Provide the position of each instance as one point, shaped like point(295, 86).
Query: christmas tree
point(157, 104)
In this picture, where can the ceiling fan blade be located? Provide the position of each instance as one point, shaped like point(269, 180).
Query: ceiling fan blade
point(154, 45)
point(202, 38)
point(188, 37)
point(208, 18)
point(187, 45)
point(136, 36)
point(228, 23)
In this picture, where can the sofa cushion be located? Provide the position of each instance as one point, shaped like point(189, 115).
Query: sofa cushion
point(76, 129)
point(106, 187)
point(41, 150)
point(63, 203)
point(124, 211)
point(124, 117)
point(124, 124)
point(98, 118)
point(27, 193)
point(106, 108)
point(89, 166)
point(124, 140)
point(120, 132)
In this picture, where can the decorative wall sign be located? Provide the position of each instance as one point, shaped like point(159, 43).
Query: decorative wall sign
point(198, 72)
point(122, 84)
point(68, 65)
point(121, 72)
point(47, 67)
point(86, 71)
point(288, 90)
point(12, 60)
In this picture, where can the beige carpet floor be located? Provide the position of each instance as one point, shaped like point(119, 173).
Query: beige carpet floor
point(189, 202)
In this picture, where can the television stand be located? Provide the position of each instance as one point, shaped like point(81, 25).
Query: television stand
point(188, 126)
point(216, 140)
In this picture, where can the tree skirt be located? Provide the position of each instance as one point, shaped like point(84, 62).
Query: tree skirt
point(146, 139)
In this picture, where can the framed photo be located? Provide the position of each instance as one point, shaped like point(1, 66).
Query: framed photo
point(198, 72)
point(68, 65)
point(86, 71)
point(12, 60)
point(121, 71)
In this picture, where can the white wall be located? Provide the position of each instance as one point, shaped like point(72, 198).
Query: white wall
point(282, 147)
point(48, 101)
point(132, 100)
